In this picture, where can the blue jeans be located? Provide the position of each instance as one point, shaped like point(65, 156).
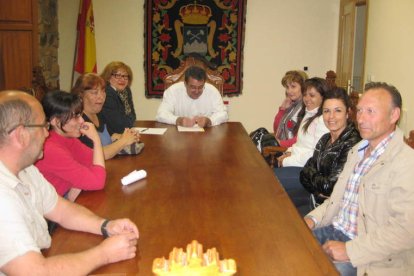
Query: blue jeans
point(326, 233)
point(289, 178)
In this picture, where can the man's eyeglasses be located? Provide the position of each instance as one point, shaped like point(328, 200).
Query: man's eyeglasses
point(46, 125)
point(120, 76)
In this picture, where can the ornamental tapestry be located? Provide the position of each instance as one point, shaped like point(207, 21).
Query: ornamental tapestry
point(213, 29)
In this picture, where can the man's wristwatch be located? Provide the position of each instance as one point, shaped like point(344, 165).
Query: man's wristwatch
point(103, 228)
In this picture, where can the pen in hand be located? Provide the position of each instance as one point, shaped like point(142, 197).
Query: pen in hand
point(143, 130)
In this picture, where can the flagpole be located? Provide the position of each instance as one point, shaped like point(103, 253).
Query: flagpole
point(74, 59)
point(76, 45)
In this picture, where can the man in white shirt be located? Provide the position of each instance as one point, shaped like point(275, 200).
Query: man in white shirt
point(27, 198)
point(192, 102)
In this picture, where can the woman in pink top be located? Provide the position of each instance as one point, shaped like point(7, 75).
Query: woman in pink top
point(67, 163)
point(285, 124)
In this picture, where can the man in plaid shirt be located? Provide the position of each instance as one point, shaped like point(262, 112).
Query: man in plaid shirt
point(367, 225)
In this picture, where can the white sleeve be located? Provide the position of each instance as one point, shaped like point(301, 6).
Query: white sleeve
point(165, 113)
point(300, 159)
point(219, 113)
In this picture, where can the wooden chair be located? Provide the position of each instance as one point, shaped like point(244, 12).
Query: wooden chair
point(39, 87)
point(213, 77)
point(272, 152)
point(331, 78)
point(410, 139)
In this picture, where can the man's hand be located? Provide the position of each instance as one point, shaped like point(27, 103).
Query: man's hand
point(118, 248)
point(202, 121)
point(185, 121)
point(336, 250)
point(121, 226)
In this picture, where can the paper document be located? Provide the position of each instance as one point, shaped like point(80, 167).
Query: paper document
point(150, 130)
point(194, 128)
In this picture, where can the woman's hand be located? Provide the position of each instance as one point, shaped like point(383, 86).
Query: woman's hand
point(129, 137)
point(89, 130)
point(116, 136)
point(280, 158)
point(286, 103)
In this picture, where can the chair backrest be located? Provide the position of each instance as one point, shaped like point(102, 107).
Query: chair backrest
point(410, 139)
point(39, 87)
point(213, 77)
point(331, 78)
point(353, 95)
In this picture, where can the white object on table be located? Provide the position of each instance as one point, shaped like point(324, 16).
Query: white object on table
point(133, 177)
point(150, 130)
point(194, 128)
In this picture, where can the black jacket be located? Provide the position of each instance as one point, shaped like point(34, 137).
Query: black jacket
point(321, 171)
point(113, 111)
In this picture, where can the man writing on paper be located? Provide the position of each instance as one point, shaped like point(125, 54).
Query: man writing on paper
point(27, 198)
point(192, 102)
point(367, 225)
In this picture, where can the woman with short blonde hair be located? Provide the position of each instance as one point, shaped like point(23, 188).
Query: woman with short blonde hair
point(118, 110)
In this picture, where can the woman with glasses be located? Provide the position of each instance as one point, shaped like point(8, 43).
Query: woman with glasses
point(91, 89)
point(118, 110)
point(67, 163)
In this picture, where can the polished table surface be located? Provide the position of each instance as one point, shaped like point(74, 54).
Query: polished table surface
point(213, 187)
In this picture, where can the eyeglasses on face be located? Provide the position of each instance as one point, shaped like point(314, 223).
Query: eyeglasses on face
point(120, 76)
point(46, 125)
point(96, 92)
point(76, 115)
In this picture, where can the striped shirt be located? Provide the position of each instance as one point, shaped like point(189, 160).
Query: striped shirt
point(346, 220)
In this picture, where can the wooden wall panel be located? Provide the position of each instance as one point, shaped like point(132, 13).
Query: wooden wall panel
point(18, 42)
point(16, 11)
point(16, 59)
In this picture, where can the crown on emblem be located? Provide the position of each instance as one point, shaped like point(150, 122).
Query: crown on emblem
point(195, 14)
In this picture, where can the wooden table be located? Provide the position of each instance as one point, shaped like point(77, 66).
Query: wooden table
point(213, 187)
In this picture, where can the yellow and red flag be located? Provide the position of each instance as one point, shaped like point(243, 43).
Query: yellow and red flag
point(85, 55)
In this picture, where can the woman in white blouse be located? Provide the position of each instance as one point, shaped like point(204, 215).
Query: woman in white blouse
point(311, 129)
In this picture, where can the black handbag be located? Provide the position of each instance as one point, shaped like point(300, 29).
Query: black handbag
point(269, 140)
point(257, 135)
point(262, 138)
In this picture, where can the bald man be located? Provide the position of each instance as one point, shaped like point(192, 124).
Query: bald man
point(27, 199)
point(367, 225)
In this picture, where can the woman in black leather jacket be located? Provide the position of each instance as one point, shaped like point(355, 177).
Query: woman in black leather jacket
point(321, 171)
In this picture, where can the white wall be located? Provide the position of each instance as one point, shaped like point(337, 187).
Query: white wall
point(280, 36)
point(67, 17)
point(390, 55)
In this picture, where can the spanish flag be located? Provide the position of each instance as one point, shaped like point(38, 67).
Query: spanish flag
point(85, 55)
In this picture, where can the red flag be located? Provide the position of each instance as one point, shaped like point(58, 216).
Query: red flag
point(85, 55)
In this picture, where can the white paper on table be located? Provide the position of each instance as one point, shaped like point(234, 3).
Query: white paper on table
point(133, 177)
point(150, 130)
point(194, 128)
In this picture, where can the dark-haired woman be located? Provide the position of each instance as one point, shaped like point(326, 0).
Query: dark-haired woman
point(311, 125)
point(310, 131)
point(91, 89)
point(67, 163)
point(321, 171)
